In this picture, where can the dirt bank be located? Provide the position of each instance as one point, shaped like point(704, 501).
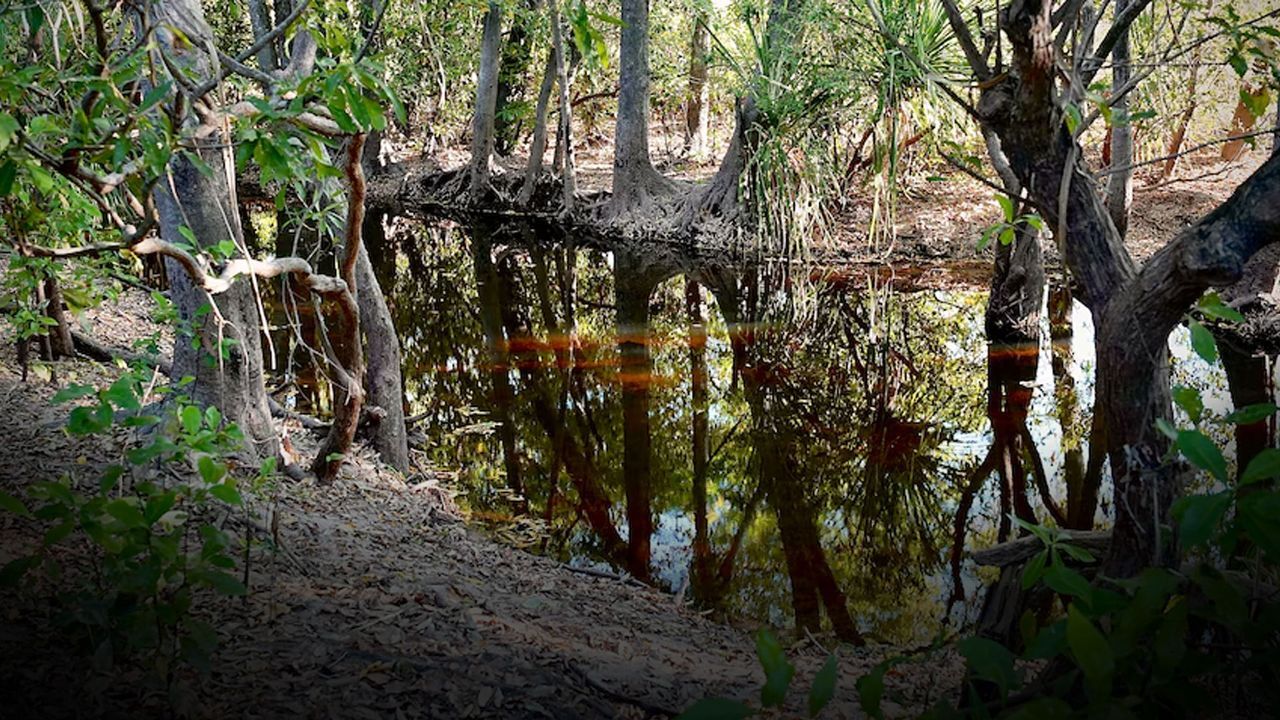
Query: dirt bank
point(382, 603)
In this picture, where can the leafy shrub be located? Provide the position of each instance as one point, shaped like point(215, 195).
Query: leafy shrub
point(148, 521)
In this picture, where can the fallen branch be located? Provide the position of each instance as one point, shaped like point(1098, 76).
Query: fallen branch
point(1021, 549)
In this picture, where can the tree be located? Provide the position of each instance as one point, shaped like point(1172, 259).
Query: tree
point(635, 181)
point(171, 193)
point(1134, 309)
point(698, 99)
point(482, 123)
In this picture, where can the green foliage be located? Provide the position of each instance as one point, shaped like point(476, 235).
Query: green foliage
point(778, 672)
point(1007, 229)
point(155, 550)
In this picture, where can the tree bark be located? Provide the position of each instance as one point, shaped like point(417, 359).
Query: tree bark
point(347, 354)
point(261, 23)
point(383, 382)
point(538, 145)
point(1120, 181)
point(564, 145)
point(60, 342)
point(634, 178)
point(482, 125)
point(226, 362)
point(696, 106)
point(517, 54)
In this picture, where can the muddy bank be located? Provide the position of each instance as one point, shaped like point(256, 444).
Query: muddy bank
point(380, 602)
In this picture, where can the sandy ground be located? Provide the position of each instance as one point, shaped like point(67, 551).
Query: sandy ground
point(380, 602)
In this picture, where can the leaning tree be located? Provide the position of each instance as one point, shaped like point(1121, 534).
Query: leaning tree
point(1029, 100)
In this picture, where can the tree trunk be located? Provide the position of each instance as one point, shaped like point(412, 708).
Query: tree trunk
point(383, 383)
point(1120, 181)
point(1184, 122)
point(698, 381)
point(636, 374)
point(60, 342)
point(517, 54)
point(538, 145)
point(482, 125)
point(497, 359)
point(261, 23)
point(226, 362)
point(634, 179)
point(564, 145)
point(346, 356)
point(696, 107)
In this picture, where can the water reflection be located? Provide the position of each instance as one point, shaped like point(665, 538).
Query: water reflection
point(795, 450)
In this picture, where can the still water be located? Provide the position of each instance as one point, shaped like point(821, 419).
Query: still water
point(795, 449)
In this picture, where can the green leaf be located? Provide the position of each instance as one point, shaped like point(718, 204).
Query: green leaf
point(1202, 452)
point(990, 661)
point(1212, 306)
point(1189, 400)
point(1256, 102)
point(824, 686)
point(12, 504)
point(716, 709)
point(1198, 516)
point(211, 471)
point(1066, 581)
point(1091, 650)
point(1167, 429)
point(1238, 64)
point(212, 418)
point(9, 128)
point(777, 670)
point(1034, 570)
point(1007, 236)
point(13, 571)
point(127, 512)
point(188, 234)
point(158, 506)
point(72, 392)
point(1006, 204)
point(227, 493)
point(8, 172)
point(1264, 466)
point(871, 690)
point(1251, 414)
point(224, 583)
point(122, 394)
point(1077, 553)
point(191, 419)
point(1071, 114)
point(1258, 512)
point(1202, 342)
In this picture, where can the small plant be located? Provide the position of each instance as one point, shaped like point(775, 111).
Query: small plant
point(1007, 230)
point(778, 673)
point(154, 554)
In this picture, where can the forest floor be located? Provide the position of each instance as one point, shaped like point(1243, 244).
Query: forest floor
point(381, 602)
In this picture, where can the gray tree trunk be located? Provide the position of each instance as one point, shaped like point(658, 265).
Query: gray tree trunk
point(227, 361)
point(486, 102)
point(695, 138)
point(634, 179)
point(1120, 181)
point(564, 154)
point(382, 362)
point(538, 145)
point(260, 21)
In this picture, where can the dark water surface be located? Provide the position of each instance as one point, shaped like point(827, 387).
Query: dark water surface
point(791, 450)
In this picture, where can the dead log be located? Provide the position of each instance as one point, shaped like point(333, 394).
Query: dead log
point(1023, 548)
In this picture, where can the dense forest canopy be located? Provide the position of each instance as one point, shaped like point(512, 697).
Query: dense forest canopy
point(937, 336)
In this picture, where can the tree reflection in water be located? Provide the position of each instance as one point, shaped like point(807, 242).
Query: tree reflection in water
point(774, 446)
